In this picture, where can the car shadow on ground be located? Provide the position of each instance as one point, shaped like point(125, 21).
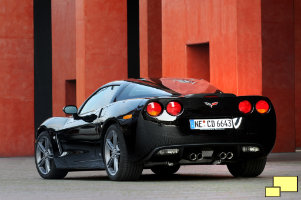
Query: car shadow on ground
point(153, 177)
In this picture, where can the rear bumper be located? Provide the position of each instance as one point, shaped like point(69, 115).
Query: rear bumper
point(152, 137)
point(206, 154)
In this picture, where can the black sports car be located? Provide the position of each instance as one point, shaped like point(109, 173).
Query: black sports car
point(161, 124)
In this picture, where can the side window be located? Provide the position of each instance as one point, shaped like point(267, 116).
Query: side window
point(141, 91)
point(102, 98)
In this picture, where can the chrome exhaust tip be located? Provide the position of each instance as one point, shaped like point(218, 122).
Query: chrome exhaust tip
point(222, 155)
point(230, 155)
point(199, 156)
point(193, 157)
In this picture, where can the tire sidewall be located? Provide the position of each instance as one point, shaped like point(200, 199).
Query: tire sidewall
point(248, 168)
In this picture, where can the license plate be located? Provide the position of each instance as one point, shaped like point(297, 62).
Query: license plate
point(210, 124)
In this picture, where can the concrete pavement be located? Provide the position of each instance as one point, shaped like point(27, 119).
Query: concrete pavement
point(19, 180)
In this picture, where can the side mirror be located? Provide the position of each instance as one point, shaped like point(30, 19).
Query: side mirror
point(70, 110)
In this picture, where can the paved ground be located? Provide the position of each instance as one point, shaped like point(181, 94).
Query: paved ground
point(19, 180)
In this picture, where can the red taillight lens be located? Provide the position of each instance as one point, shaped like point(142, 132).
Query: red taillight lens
point(154, 109)
point(245, 106)
point(262, 106)
point(174, 108)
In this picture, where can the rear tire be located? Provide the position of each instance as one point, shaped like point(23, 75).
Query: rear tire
point(248, 168)
point(165, 170)
point(116, 159)
point(44, 158)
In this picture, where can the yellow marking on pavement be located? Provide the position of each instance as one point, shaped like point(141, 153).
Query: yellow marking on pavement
point(287, 184)
point(272, 191)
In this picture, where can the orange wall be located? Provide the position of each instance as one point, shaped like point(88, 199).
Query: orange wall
point(150, 38)
point(101, 44)
point(233, 30)
point(297, 6)
point(63, 51)
point(89, 41)
point(198, 61)
point(278, 67)
point(249, 45)
point(16, 78)
point(143, 38)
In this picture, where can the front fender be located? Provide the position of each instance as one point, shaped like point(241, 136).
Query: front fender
point(53, 124)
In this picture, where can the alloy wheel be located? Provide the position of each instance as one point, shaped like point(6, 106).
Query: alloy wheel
point(44, 155)
point(112, 152)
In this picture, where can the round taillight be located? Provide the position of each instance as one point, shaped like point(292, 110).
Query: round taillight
point(174, 108)
point(262, 106)
point(154, 109)
point(245, 106)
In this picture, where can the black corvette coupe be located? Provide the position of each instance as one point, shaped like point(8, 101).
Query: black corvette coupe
point(159, 124)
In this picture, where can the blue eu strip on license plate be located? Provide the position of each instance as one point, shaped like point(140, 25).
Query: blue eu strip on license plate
point(210, 124)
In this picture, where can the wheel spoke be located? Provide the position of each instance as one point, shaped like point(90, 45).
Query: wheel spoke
point(109, 144)
point(42, 161)
point(41, 147)
point(115, 140)
point(46, 144)
point(47, 165)
point(110, 162)
point(115, 164)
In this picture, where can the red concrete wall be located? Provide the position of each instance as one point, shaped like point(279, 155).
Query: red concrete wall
point(297, 9)
point(198, 61)
point(101, 44)
point(16, 78)
point(70, 88)
point(278, 67)
point(143, 38)
point(249, 45)
point(63, 51)
point(150, 38)
point(233, 30)
point(80, 52)
point(89, 41)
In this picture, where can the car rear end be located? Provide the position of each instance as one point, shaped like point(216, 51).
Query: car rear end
point(205, 129)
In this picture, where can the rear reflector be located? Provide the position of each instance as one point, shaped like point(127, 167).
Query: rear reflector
point(262, 106)
point(168, 152)
point(250, 149)
point(154, 109)
point(245, 106)
point(174, 108)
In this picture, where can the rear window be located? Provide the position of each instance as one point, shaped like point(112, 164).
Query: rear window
point(134, 91)
point(188, 86)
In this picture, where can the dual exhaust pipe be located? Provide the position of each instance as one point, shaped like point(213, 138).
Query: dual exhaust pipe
point(199, 156)
point(195, 156)
point(224, 155)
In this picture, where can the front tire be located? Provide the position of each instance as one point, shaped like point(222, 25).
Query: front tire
point(165, 170)
point(117, 163)
point(248, 168)
point(44, 158)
